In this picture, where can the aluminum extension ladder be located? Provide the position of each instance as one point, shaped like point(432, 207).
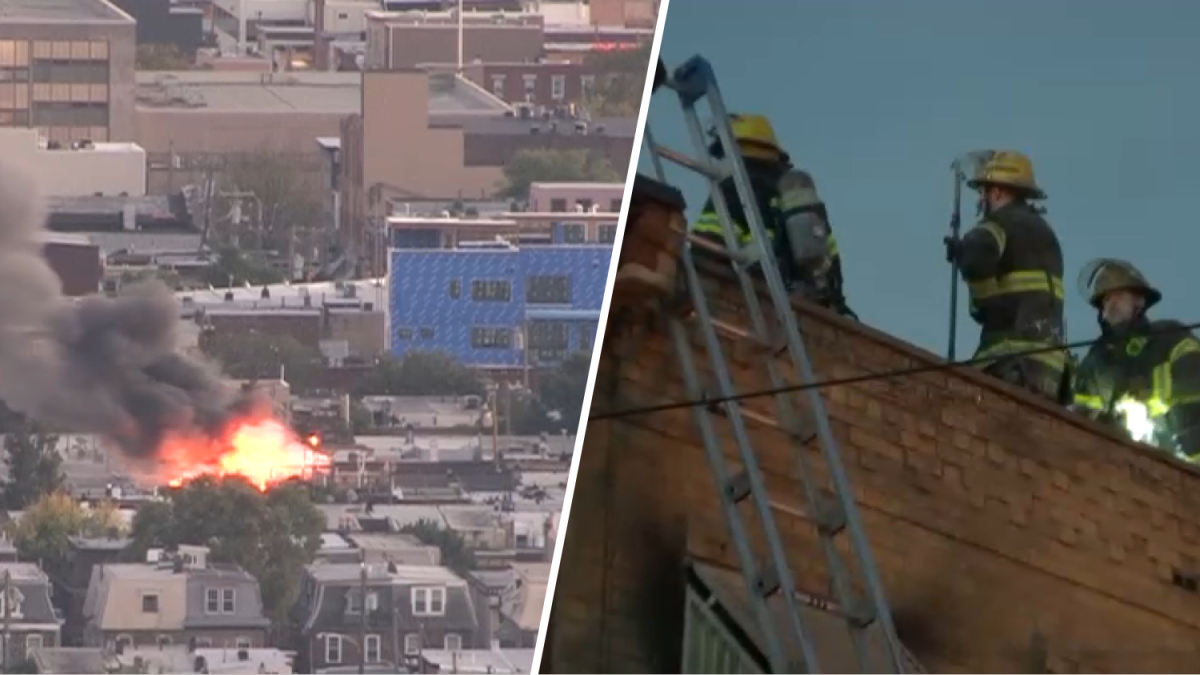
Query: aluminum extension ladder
point(774, 598)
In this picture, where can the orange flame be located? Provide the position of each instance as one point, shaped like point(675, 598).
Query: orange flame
point(261, 450)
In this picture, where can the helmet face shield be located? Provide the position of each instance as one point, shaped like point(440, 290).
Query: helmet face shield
point(1103, 276)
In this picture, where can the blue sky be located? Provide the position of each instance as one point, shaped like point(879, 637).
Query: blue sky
point(876, 98)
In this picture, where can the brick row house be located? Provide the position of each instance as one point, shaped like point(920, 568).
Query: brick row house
point(409, 609)
point(25, 604)
point(175, 599)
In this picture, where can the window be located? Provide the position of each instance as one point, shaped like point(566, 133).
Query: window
point(354, 601)
point(491, 290)
point(574, 233)
point(455, 289)
point(585, 339)
point(585, 205)
point(17, 601)
point(558, 206)
point(404, 333)
point(164, 640)
point(558, 87)
point(498, 86)
point(487, 337)
point(70, 114)
point(333, 649)
point(70, 72)
point(243, 643)
point(220, 600)
point(530, 83)
point(608, 234)
point(453, 642)
point(588, 84)
point(614, 205)
point(150, 603)
point(373, 649)
point(428, 601)
point(548, 290)
point(204, 642)
point(549, 335)
point(412, 643)
point(32, 642)
point(425, 333)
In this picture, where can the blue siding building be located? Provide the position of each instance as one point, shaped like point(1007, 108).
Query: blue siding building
point(485, 306)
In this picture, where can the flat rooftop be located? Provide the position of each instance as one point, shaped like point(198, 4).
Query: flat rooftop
point(619, 127)
point(53, 11)
point(224, 91)
point(338, 93)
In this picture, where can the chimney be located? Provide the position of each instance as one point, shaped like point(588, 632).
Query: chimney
point(320, 40)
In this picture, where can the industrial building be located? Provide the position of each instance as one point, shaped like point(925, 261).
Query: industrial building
point(66, 68)
point(80, 168)
point(506, 308)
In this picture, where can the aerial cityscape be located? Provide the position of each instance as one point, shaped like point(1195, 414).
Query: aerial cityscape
point(297, 306)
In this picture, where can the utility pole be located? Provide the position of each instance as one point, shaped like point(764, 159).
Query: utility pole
point(209, 189)
point(460, 38)
point(8, 598)
point(362, 624)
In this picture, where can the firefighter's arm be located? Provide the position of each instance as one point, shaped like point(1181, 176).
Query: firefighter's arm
point(1086, 396)
point(980, 251)
point(1184, 415)
point(707, 222)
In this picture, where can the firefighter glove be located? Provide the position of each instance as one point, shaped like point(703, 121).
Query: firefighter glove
point(954, 247)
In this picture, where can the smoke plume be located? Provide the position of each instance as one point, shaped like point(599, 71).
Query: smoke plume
point(97, 364)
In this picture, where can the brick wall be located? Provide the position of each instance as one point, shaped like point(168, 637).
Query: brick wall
point(993, 518)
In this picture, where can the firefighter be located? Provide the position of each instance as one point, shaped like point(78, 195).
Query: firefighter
point(1013, 266)
point(793, 214)
point(1141, 374)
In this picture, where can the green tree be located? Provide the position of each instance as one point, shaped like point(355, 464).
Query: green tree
point(161, 57)
point(34, 465)
point(271, 535)
point(564, 388)
point(258, 356)
point(455, 552)
point(43, 531)
point(523, 413)
point(620, 81)
point(234, 268)
point(532, 165)
point(273, 186)
point(421, 373)
point(10, 420)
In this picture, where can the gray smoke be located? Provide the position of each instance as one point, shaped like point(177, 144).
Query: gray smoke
point(97, 364)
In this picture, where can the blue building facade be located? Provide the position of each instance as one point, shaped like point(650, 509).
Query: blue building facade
point(502, 307)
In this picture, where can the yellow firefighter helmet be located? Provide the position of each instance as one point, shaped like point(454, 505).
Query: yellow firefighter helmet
point(1105, 275)
point(1008, 168)
point(755, 134)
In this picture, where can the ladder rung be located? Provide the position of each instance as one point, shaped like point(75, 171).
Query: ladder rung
point(771, 348)
point(732, 331)
point(708, 169)
point(707, 245)
point(761, 419)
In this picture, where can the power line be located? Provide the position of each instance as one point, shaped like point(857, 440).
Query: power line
point(868, 377)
